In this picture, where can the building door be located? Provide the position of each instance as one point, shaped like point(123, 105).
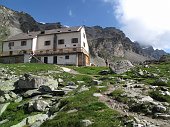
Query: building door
point(55, 60)
point(45, 59)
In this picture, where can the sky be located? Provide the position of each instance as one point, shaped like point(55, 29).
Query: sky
point(145, 21)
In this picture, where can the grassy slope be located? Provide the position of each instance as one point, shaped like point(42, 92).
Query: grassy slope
point(87, 105)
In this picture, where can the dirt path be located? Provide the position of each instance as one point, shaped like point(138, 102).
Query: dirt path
point(120, 107)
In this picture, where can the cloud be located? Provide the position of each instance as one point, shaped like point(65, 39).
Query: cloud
point(70, 13)
point(146, 21)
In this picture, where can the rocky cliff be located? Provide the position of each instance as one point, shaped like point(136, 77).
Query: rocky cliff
point(111, 43)
point(105, 43)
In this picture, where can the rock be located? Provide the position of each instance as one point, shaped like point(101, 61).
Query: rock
point(86, 123)
point(32, 93)
point(46, 96)
point(55, 108)
point(44, 88)
point(7, 97)
point(60, 80)
point(97, 82)
point(141, 73)
point(80, 82)
point(3, 107)
point(40, 105)
point(83, 88)
point(147, 99)
point(72, 111)
point(70, 84)
point(161, 82)
point(164, 88)
point(153, 87)
point(104, 72)
point(19, 99)
point(4, 121)
point(12, 94)
point(31, 120)
point(159, 109)
point(97, 95)
point(71, 87)
point(100, 87)
point(29, 82)
point(162, 116)
point(7, 85)
point(52, 84)
point(120, 66)
point(58, 92)
point(2, 99)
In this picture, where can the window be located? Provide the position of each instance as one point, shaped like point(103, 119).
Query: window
point(23, 43)
point(84, 44)
point(11, 44)
point(74, 40)
point(61, 41)
point(74, 45)
point(47, 43)
point(84, 35)
point(66, 57)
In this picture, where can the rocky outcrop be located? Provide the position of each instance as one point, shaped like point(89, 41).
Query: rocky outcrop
point(28, 82)
point(110, 42)
point(120, 66)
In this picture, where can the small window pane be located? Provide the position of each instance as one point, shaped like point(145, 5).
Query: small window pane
point(23, 43)
point(74, 40)
point(61, 41)
point(66, 57)
point(47, 43)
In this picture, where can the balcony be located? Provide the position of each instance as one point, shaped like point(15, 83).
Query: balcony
point(61, 51)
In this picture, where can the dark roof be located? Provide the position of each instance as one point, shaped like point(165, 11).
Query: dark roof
point(23, 36)
point(31, 35)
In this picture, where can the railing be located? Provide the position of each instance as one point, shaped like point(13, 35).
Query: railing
point(60, 51)
point(50, 52)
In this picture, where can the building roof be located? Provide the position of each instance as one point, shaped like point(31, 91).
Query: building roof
point(31, 35)
point(62, 30)
point(23, 36)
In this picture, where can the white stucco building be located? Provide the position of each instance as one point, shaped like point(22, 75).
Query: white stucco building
point(66, 46)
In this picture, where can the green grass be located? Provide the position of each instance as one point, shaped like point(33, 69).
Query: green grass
point(33, 68)
point(89, 108)
point(89, 70)
point(118, 95)
point(159, 97)
point(14, 114)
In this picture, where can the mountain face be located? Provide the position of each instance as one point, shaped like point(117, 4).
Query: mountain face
point(14, 22)
point(110, 43)
point(104, 43)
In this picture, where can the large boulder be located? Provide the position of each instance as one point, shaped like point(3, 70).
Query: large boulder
point(120, 66)
point(29, 82)
point(51, 85)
